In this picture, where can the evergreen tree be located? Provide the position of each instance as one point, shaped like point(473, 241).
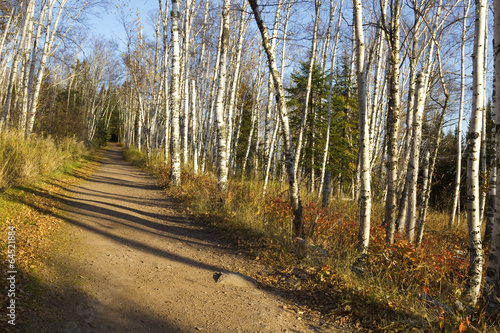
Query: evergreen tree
point(343, 133)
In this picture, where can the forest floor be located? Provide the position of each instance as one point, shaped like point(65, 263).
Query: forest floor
point(128, 259)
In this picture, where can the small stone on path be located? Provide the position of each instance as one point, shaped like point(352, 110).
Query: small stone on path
point(235, 279)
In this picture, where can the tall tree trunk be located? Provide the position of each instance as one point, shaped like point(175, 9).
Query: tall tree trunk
point(175, 156)
point(364, 133)
point(458, 174)
point(187, 36)
point(412, 175)
point(483, 179)
point(268, 115)
point(474, 137)
point(165, 92)
point(29, 47)
point(492, 278)
point(285, 127)
point(222, 165)
point(210, 112)
point(414, 58)
point(392, 123)
point(235, 80)
point(194, 126)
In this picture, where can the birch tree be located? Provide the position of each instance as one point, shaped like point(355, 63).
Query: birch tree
point(222, 160)
point(474, 146)
point(413, 168)
point(364, 134)
point(492, 278)
point(236, 79)
point(393, 119)
point(175, 158)
point(285, 127)
point(456, 186)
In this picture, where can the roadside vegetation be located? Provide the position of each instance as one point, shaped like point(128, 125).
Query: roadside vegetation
point(33, 172)
point(23, 161)
point(403, 288)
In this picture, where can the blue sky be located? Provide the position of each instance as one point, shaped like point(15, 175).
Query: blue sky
point(109, 23)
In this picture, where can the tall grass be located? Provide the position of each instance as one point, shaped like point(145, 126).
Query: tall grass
point(25, 160)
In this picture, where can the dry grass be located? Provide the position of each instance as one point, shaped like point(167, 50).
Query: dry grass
point(23, 161)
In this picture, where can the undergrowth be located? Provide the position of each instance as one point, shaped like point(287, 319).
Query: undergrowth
point(23, 161)
point(403, 288)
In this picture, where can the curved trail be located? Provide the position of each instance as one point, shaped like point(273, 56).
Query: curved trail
point(141, 266)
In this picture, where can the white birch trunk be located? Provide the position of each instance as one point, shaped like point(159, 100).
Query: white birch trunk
point(187, 36)
point(458, 174)
point(364, 134)
point(483, 178)
point(194, 126)
point(474, 146)
point(29, 47)
point(492, 278)
point(175, 156)
point(165, 93)
point(210, 112)
point(416, 142)
point(270, 96)
point(414, 58)
point(234, 86)
point(392, 123)
point(222, 161)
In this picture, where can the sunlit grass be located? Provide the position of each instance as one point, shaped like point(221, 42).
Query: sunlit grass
point(23, 161)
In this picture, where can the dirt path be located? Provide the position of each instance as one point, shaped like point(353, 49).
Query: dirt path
point(134, 264)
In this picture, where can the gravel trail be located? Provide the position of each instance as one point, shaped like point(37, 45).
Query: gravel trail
point(136, 264)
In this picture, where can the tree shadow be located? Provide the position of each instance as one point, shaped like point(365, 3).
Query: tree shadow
point(63, 308)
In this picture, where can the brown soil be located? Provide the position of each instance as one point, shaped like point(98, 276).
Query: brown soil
point(128, 260)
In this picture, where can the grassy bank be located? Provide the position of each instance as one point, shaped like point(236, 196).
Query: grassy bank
point(403, 288)
point(23, 161)
point(33, 174)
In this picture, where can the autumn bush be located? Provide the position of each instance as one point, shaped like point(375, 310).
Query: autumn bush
point(25, 160)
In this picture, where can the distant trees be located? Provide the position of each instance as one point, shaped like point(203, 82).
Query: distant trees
point(32, 33)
